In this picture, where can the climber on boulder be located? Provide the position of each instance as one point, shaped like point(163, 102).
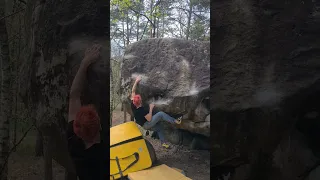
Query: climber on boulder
point(148, 117)
point(83, 132)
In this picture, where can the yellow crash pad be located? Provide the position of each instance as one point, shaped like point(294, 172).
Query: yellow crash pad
point(123, 132)
point(158, 173)
point(128, 145)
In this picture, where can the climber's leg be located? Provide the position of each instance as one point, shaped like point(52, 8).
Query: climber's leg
point(160, 116)
point(159, 129)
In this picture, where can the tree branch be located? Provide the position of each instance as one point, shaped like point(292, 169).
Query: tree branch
point(193, 12)
point(118, 44)
point(15, 146)
point(153, 25)
point(178, 21)
point(12, 14)
point(115, 32)
point(157, 4)
point(144, 30)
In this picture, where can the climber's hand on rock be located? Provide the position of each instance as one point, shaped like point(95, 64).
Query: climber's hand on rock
point(91, 55)
point(138, 79)
point(151, 106)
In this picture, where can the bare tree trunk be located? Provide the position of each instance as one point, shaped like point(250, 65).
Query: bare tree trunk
point(162, 32)
point(123, 35)
point(15, 119)
point(39, 145)
point(6, 98)
point(180, 25)
point(128, 34)
point(154, 26)
point(124, 113)
point(70, 176)
point(14, 114)
point(189, 19)
point(17, 83)
point(138, 24)
point(111, 92)
point(47, 158)
point(157, 34)
point(151, 27)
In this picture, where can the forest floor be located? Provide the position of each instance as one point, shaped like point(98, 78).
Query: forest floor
point(23, 165)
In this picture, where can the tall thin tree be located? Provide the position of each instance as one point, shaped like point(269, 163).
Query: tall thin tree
point(5, 97)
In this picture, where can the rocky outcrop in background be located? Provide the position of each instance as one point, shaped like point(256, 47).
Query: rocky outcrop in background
point(175, 77)
point(265, 77)
point(59, 33)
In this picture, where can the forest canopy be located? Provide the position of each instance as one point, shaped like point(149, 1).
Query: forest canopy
point(134, 20)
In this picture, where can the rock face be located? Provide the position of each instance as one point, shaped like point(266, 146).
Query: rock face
point(175, 77)
point(265, 76)
point(59, 34)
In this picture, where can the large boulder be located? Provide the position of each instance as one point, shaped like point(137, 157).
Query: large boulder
point(265, 77)
point(175, 77)
point(59, 34)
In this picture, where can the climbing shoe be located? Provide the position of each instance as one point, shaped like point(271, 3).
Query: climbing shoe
point(165, 145)
point(178, 120)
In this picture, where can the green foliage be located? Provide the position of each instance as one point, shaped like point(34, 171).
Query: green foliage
point(148, 13)
point(156, 12)
point(114, 21)
point(121, 4)
point(121, 7)
point(197, 30)
point(130, 19)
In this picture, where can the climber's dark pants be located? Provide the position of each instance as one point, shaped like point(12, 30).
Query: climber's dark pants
point(155, 126)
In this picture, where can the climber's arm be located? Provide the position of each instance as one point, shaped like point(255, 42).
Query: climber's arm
point(75, 92)
point(149, 115)
point(134, 87)
point(77, 86)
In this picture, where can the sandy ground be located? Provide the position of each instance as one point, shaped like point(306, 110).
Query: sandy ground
point(195, 163)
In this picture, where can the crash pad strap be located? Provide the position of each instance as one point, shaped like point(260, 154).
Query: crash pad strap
point(136, 155)
point(127, 141)
point(123, 132)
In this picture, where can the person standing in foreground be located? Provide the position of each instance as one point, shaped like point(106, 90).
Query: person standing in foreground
point(83, 132)
point(148, 117)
